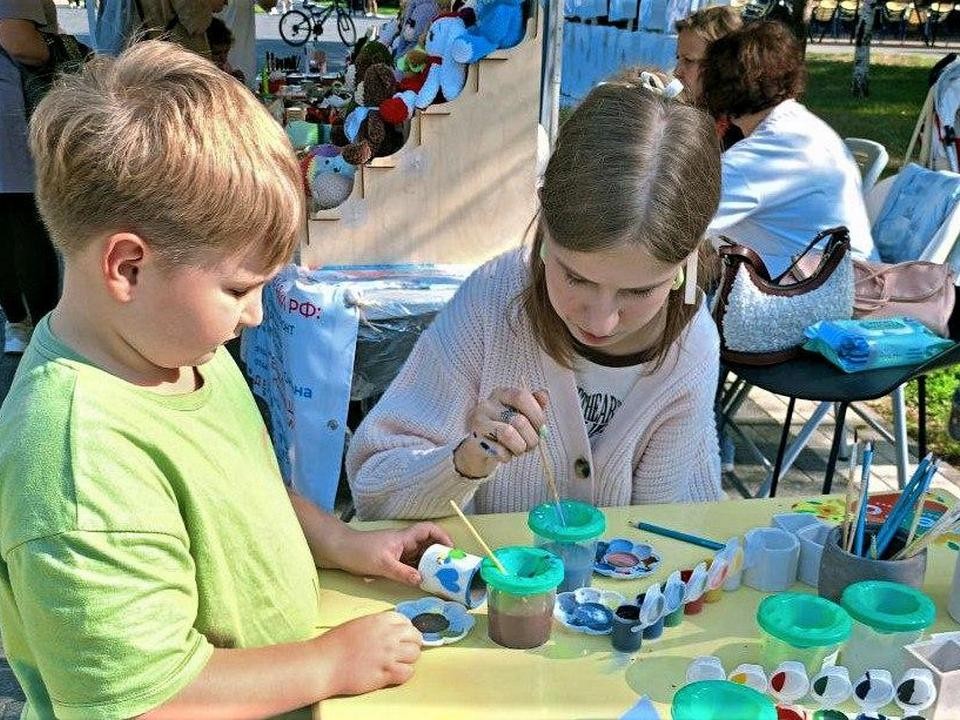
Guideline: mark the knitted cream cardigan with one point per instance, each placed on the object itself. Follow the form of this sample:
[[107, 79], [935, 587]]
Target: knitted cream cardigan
[[660, 447]]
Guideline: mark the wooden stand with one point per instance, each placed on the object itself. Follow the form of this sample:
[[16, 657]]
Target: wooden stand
[[461, 190]]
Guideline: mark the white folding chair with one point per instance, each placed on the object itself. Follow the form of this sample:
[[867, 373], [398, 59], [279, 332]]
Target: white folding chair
[[871, 157]]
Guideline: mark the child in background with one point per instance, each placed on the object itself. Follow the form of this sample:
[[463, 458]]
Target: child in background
[[221, 41], [588, 333], [153, 564]]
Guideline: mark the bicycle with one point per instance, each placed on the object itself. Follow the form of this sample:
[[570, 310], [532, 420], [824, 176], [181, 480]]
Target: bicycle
[[296, 26]]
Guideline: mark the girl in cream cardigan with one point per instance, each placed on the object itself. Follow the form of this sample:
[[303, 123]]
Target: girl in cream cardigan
[[585, 341]]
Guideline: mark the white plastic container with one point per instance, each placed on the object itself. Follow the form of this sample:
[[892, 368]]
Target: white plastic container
[[886, 617]]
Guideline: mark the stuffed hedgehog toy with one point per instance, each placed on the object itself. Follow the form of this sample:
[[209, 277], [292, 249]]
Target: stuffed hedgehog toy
[[327, 177], [498, 24]]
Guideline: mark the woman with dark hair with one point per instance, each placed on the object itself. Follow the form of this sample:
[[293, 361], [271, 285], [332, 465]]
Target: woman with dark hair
[[791, 176], [594, 341]]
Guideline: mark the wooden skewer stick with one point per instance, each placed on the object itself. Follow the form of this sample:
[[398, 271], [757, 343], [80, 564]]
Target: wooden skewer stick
[[476, 536], [850, 498], [547, 466]]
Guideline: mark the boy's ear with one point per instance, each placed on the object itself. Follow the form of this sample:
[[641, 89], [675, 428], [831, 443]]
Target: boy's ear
[[122, 263]]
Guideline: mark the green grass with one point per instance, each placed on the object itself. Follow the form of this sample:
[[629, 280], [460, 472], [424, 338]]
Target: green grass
[[898, 86]]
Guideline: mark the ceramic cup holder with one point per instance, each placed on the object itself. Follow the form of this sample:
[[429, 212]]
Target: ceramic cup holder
[[941, 657]]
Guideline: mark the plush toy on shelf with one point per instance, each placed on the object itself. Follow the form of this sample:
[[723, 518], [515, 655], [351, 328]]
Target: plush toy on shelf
[[416, 18], [498, 25], [368, 133], [445, 75], [328, 178]]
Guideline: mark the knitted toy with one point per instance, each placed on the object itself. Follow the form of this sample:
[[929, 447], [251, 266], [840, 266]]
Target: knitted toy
[[370, 53], [414, 22], [445, 75], [368, 133], [327, 177], [499, 24]]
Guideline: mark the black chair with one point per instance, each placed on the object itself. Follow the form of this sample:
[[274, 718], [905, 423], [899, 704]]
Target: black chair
[[811, 377]]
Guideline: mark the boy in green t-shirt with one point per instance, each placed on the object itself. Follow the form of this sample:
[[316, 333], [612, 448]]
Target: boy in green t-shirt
[[153, 564]]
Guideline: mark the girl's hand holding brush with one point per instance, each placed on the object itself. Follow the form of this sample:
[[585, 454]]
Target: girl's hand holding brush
[[504, 426]]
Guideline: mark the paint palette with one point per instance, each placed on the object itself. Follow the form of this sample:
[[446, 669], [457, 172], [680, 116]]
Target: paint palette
[[587, 610], [439, 621], [624, 559]]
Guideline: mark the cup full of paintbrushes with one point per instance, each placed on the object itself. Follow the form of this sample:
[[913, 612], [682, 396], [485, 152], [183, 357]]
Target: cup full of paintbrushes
[[840, 567], [570, 530]]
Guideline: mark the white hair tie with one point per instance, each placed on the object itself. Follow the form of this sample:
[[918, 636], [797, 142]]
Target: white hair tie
[[654, 83]]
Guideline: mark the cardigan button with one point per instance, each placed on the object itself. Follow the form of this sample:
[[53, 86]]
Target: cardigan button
[[582, 468]]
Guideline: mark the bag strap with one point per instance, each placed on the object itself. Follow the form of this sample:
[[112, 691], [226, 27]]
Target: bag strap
[[836, 235]]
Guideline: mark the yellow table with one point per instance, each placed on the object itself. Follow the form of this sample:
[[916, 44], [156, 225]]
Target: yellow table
[[576, 675]]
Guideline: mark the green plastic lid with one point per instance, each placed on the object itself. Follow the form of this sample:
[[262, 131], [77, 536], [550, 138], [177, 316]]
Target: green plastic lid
[[580, 521], [888, 606], [804, 621], [721, 700], [530, 571]]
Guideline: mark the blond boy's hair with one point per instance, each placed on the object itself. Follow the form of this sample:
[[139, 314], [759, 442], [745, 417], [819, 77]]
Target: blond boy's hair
[[161, 143], [711, 24]]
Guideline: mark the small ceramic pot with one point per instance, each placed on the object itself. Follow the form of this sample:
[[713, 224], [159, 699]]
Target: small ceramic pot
[[812, 539], [839, 569]]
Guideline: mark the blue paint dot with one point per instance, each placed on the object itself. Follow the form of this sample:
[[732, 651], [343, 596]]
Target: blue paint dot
[[448, 577]]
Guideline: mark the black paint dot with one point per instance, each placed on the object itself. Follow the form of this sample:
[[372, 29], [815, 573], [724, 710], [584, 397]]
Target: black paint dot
[[429, 622]]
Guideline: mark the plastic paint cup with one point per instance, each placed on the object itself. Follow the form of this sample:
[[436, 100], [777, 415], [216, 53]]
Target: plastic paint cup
[[886, 617], [627, 629], [705, 667], [831, 687], [573, 538], [801, 627], [520, 603], [720, 700], [694, 607]]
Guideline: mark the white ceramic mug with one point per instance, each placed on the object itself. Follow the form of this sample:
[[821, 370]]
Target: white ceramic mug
[[770, 559], [452, 574]]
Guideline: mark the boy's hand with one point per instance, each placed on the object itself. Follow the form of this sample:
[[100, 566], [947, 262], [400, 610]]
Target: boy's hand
[[370, 653], [393, 554]]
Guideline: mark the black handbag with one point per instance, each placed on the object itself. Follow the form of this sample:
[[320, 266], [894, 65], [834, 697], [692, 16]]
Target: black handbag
[[67, 55]]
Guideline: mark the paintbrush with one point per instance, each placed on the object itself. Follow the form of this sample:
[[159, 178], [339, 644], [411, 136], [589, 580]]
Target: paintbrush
[[918, 509], [476, 536], [547, 466], [946, 523]]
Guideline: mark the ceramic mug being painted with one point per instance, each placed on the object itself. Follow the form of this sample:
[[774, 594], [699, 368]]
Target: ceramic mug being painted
[[453, 574]]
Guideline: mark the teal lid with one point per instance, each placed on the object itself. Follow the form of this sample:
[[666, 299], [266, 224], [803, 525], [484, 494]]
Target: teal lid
[[530, 571], [580, 521], [721, 700], [888, 606], [804, 621]]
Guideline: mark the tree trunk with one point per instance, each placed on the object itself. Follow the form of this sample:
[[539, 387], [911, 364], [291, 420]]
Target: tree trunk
[[860, 86]]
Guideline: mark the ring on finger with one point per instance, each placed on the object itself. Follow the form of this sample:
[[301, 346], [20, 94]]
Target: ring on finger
[[507, 415]]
